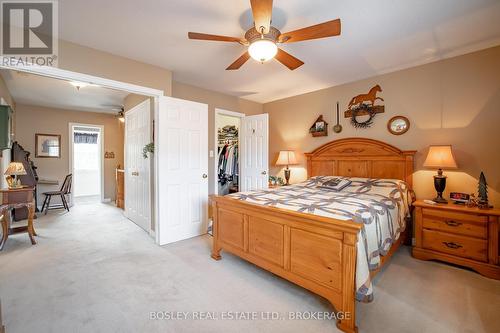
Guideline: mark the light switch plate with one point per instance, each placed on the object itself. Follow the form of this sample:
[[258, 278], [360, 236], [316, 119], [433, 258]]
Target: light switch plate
[[211, 153]]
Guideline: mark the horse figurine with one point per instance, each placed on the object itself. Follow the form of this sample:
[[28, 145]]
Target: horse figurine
[[370, 97]]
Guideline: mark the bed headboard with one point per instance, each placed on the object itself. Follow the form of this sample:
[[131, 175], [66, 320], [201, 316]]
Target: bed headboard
[[361, 157]]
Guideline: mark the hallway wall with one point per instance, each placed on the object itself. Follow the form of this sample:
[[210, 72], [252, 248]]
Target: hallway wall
[[36, 119]]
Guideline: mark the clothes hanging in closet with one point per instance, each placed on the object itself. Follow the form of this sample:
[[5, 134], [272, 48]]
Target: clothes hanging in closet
[[228, 161]]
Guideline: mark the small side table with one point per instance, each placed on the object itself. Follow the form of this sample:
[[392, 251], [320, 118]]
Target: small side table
[[459, 235], [16, 198]]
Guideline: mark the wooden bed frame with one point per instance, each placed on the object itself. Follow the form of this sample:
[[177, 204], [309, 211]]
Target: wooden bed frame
[[314, 252]]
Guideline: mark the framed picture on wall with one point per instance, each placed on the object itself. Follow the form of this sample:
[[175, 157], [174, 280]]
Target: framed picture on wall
[[48, 145]]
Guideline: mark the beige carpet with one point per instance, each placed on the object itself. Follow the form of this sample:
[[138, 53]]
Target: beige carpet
[[95, 271]]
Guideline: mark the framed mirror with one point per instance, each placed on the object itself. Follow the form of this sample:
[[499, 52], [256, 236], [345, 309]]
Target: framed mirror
[[398, 125]]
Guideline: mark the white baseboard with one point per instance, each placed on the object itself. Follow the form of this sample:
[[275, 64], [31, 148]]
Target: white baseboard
[[106, 200]]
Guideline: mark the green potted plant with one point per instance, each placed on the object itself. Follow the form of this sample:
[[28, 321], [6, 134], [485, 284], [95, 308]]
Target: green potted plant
[[149, 148]]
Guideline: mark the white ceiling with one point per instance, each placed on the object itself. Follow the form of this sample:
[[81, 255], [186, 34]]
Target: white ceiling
[[38, 90], [377, 37]]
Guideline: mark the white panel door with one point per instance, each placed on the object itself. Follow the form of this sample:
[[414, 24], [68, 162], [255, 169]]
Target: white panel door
[[137, 168], [182, 162], [254, 152]]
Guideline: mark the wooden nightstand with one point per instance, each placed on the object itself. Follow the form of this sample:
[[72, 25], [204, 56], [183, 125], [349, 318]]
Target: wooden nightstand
[[459, 235]]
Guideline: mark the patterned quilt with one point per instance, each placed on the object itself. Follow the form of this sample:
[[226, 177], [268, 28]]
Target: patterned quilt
[[381, 205]]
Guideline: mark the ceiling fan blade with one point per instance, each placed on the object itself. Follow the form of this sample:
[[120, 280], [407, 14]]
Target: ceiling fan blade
[[197, 35], [262, 11], [288, 60], [239, 62], [322, 30]]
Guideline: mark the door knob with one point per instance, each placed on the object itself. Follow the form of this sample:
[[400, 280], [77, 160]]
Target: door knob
[[264, 173], [204, 175]]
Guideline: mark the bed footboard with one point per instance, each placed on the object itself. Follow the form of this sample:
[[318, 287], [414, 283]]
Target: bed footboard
[[314, 252]]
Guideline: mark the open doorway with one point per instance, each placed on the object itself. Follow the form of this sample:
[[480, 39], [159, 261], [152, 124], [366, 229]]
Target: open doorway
[[86, 163], [241, 158], [173, 119], [84, 125]]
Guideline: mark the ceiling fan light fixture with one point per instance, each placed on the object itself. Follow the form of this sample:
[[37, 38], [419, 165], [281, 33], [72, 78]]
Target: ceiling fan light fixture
[[262, 38], [263, 50], [121, 116]]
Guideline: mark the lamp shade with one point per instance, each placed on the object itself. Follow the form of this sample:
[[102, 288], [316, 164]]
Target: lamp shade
[[440, 157], [286, 157], [15, 169]]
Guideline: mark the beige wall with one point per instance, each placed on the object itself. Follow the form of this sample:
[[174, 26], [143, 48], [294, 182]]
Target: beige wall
[[35, 119], [454, 101], [90, 61], [133, 100], [214, 100]]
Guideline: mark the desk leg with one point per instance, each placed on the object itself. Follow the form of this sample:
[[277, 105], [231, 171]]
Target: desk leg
[[33, 223], [5, 230], [31, 230]]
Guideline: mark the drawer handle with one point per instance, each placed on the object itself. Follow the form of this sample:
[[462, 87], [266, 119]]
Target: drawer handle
[[452, 245], [453, 223]]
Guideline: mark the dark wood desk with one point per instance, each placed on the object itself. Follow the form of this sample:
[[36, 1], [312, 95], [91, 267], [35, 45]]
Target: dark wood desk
[[16, 198]]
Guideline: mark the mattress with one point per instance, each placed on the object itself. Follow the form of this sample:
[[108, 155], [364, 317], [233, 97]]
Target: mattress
[[381, 205]]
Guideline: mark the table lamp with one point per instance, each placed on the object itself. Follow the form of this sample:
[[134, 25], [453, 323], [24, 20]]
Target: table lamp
[[287, 157], [15, 169], [440, 157]]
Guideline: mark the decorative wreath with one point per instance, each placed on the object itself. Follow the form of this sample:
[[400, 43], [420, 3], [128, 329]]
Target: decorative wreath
[[356, 113]]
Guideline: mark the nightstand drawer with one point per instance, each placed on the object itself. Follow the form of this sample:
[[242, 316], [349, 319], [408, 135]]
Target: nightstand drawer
[[462, 224], [465, 247]]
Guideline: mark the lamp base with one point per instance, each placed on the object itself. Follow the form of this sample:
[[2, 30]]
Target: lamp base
[[440, 185], [287, 176], [14, 182], [440, 200]]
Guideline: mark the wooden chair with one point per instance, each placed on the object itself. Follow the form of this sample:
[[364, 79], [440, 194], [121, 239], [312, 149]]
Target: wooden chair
[[65, 190]]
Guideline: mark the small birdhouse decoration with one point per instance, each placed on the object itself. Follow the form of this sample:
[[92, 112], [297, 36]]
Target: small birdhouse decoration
[[319, 128]]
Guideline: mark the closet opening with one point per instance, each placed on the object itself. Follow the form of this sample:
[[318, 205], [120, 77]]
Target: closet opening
[[227, 125]]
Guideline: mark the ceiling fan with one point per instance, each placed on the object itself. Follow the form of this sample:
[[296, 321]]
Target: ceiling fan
[[263, 39], [120, 109]]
